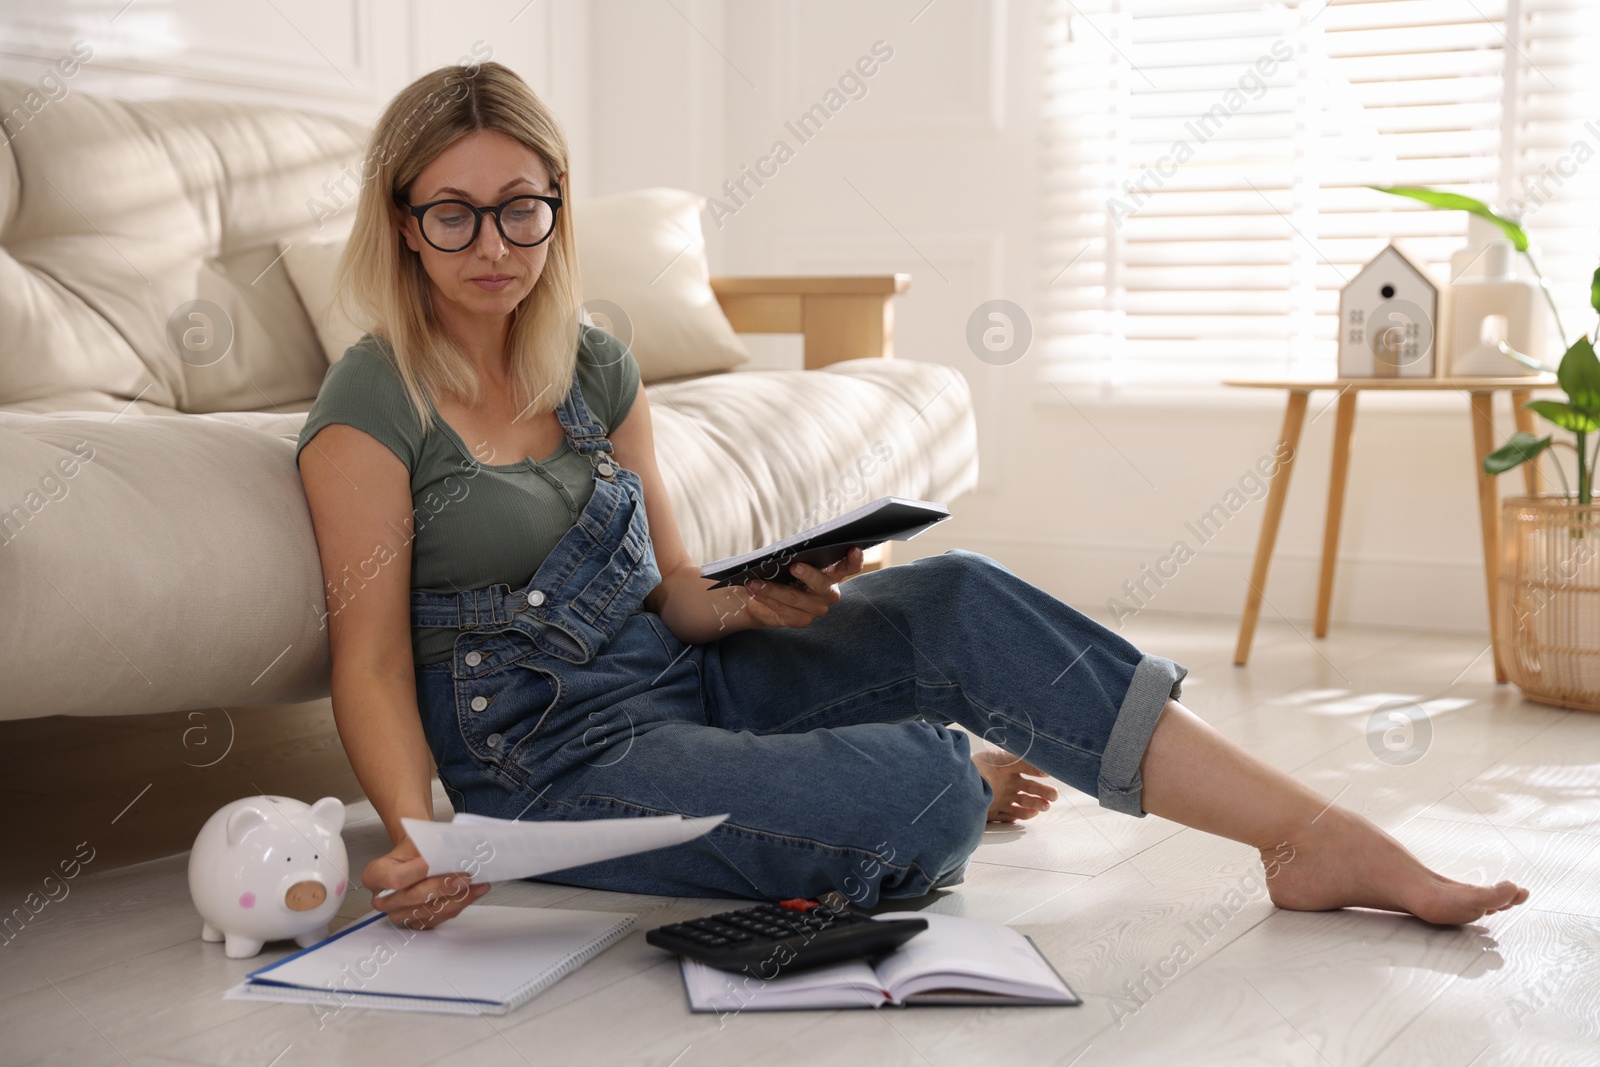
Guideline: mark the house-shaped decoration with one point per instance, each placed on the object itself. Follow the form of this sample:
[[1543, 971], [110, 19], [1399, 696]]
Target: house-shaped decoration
[[1386, 320]]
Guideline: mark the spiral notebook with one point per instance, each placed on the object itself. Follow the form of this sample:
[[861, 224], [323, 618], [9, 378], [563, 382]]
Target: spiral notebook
[[487, 960]]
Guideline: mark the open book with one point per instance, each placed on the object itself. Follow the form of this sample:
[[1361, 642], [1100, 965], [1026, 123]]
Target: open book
[[956, 960], [888, 518]]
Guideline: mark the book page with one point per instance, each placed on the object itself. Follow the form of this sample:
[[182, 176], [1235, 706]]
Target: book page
[[839, 985], [955, 952]]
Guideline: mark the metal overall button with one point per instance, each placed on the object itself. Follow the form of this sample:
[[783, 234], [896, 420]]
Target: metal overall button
[[501, 726], [535, 598], [474, 658]]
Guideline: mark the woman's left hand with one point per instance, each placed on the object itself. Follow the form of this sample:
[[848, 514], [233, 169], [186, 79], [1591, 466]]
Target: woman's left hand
[[777, 604]]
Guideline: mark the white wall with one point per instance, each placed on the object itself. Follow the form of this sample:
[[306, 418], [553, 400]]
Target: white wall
[[931, 172], [343, 56]]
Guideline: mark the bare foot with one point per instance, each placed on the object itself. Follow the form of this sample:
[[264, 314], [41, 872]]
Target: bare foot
[[1015, 796], [1344, 860]]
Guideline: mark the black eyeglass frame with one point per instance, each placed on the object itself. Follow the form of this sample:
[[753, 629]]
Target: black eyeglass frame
[[420, 210]]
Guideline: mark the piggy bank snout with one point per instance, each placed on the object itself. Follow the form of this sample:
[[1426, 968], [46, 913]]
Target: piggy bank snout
[[305, 896]]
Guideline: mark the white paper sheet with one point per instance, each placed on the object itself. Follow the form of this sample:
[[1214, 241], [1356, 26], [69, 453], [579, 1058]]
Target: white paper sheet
[[497, 850]]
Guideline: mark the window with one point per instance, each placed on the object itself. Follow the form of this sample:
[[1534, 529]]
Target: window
[[1206, 162]]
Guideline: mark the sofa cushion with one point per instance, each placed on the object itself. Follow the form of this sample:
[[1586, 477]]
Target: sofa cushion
[[115, 215], [92, 400], [213, 595], [312, 265], [209, 592], [643, 261]]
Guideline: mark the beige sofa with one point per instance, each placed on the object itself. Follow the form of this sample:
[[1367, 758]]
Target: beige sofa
[[155, 549]]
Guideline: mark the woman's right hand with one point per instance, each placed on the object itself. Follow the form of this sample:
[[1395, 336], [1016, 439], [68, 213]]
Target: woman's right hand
[[418, 902]]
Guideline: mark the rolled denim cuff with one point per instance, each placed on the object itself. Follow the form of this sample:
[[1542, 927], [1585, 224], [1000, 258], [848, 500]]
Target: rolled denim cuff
[[1156, 680]]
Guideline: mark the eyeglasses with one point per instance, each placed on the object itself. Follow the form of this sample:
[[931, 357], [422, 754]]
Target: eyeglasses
[[452, 225]]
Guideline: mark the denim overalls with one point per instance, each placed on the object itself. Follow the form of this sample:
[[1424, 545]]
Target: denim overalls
[[827, 746]]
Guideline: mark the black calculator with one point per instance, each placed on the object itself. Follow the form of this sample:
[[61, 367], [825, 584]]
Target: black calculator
[[785, 936]]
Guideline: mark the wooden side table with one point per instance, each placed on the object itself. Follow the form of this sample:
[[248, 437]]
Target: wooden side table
[[1481, 390]]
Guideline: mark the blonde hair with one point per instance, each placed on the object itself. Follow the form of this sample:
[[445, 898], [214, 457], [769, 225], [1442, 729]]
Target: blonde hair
[[381, 283]]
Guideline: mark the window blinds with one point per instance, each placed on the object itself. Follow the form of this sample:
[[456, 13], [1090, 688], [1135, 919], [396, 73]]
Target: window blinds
[[1206, 162]]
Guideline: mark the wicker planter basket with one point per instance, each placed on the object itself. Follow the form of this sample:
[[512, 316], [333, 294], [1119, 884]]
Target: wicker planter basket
[[1548, 616]]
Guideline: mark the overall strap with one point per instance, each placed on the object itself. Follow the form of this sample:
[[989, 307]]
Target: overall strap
[[469, 609], [500, 605], [586, 434], [587, 437]]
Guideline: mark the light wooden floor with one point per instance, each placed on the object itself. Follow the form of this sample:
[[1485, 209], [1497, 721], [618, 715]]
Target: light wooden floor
[[115, 973]]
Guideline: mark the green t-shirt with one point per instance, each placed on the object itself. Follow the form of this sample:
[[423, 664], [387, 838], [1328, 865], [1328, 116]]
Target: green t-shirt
[[476, 524]]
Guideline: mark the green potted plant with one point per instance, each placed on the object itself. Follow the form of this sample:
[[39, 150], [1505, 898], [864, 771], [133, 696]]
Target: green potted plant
[[1548, 613]]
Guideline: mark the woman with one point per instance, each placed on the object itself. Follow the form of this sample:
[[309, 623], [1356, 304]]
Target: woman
[[539, 630]]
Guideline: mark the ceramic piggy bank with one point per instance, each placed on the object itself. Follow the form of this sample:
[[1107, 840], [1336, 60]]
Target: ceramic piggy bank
[[266, 868]]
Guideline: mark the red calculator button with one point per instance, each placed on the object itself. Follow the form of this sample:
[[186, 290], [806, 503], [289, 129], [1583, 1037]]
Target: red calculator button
[[798, 904]]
